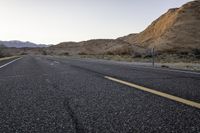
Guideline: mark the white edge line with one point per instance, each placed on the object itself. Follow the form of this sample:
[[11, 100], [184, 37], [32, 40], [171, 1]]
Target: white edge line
[[175, 70], [167, 69], [10, 62], [165, 95]]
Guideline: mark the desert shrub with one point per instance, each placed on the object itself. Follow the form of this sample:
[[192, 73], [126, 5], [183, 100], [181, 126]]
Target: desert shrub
[[184, 53], [196, 53], [137, 55], [109, 53], [121, 51], [1, 54], [1, 50], [64, 54], [4, 53], [164, 66], [23, 53], [147, 56], [44, 52], [170, 51], [82, 53]]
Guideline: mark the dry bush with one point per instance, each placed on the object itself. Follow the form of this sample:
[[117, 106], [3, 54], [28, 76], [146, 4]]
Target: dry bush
[[1, 54], [44, 52], [1, 50], [82, 53], [126, 50], [64, 54], [196, 53]]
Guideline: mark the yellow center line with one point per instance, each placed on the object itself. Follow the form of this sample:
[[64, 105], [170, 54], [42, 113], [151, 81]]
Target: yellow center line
[[165, 95], [7, 58]]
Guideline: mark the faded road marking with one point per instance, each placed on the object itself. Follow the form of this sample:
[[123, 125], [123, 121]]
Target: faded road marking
[[56, 62], [165, 95]]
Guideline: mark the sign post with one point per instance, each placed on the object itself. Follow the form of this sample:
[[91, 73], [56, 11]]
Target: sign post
[[153, 56]]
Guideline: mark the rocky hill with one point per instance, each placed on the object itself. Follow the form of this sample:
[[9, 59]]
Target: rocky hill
[[176, 30]]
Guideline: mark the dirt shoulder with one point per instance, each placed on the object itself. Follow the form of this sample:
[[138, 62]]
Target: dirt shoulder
[[170, 61]]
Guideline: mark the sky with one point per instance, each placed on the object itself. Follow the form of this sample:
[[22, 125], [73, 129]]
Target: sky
[[54, 21]]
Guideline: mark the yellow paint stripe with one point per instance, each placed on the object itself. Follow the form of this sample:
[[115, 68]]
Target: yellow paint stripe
[[165, 95], [7, 58]]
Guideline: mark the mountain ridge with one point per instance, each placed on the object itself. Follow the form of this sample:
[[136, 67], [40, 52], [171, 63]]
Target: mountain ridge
[[21, 44], [177, 30]]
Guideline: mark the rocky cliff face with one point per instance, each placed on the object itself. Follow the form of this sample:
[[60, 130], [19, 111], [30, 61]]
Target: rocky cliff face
[[178, 29]]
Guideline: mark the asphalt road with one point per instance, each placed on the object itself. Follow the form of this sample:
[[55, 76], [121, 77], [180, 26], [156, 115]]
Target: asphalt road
[[52, 94]]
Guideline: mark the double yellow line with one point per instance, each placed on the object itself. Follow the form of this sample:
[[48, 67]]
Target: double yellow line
[[165, 95]]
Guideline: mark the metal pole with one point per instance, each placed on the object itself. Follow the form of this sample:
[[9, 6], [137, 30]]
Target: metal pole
[[153, 57]]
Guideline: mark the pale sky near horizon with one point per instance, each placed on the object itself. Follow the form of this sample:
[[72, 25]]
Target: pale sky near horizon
[[54, 21]]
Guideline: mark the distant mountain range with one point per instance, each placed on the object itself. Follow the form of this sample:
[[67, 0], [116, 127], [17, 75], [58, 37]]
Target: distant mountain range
[[20, 44]]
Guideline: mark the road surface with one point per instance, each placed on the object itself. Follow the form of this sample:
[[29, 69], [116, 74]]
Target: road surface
[[53, 94]]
